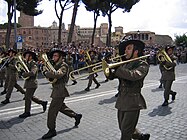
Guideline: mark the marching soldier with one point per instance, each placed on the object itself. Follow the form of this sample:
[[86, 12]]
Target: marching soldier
[[130, 100], [168, 75], [31, 83], [59, 93], [69, 61], [3, 71], [91, 76], [11, 76]]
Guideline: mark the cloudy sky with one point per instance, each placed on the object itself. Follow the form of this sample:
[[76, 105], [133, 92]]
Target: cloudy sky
[[166, 17]]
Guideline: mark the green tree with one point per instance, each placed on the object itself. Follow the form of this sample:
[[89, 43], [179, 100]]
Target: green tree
[[181, 40], [26, 6], [111, 6]]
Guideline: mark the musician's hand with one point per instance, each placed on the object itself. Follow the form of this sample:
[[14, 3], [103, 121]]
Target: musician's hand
[[21, 72]]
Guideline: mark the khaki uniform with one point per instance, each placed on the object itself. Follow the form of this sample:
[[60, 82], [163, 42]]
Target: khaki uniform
[[11, 77], [31, 85], [69, 61], [130, 100], [91, 76], [58, 94], [168, 76]]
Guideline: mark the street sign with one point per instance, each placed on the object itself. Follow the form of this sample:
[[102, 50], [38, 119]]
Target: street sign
[[19, 42], [19, 39]]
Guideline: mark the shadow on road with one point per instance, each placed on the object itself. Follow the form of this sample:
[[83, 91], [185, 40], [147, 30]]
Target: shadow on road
[[160, 111], [157, 89], [9, 123], [108, 101]]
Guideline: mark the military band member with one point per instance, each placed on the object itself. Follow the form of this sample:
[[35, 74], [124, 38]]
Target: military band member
[[91, 76], [59, 93], [11, 76], [69, 61], [31, 83], [3, 71], [168, 75], [130, 100]]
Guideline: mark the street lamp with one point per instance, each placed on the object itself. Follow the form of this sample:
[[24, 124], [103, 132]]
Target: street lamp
[[138, 35]]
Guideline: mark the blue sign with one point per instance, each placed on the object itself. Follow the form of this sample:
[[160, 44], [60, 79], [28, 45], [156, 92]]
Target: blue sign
[[19, 39]]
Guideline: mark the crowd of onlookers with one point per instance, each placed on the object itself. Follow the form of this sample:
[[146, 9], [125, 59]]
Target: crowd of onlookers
[[79, 53]]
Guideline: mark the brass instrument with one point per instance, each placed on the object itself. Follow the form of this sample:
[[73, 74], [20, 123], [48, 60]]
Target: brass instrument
[[3, 58], [48, 66], [106, 67], [97, 67], [21, 66], [5, 63], [163, 56], [116, 59]]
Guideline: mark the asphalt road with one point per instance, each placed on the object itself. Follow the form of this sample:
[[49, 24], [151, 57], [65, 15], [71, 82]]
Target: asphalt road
[[99, 120]]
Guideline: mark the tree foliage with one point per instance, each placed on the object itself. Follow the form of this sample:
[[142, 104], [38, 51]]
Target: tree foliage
[[181, 40]]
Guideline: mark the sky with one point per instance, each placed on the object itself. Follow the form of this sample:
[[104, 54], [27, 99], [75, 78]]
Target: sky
[[164, 17]]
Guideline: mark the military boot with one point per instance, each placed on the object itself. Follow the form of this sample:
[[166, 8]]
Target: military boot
[[6, 101], [78, 119], [44, 105], [144, 137], [49, 134]]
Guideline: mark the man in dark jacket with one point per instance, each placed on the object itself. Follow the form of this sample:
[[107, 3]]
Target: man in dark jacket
[[130, 100], [31, 83], [58, 94]]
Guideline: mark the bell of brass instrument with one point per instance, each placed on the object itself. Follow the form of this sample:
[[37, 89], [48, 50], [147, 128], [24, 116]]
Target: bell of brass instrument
[[163, 56], [21, 66], [106, 67], [48, 66]]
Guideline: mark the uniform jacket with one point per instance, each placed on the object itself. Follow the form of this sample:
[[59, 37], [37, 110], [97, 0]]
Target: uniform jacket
[[59, 89], [31, 82], [11, 69], [170, 73], [131, 77]]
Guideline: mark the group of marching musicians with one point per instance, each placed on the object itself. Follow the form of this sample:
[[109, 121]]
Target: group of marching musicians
[[131, 76]]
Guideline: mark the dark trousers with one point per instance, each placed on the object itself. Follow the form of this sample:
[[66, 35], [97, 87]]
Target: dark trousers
[[57, 104], [28, 97], [11, 86], [127, 121], [167, 88], [92, 78]]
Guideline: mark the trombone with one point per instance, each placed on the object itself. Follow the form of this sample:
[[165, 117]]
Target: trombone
[[106, 67], [116, 59], [95, 68]]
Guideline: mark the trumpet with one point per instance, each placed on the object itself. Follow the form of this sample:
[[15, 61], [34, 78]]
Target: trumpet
[[21, 66], [163, 56], [106, 67], [48, 66]]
